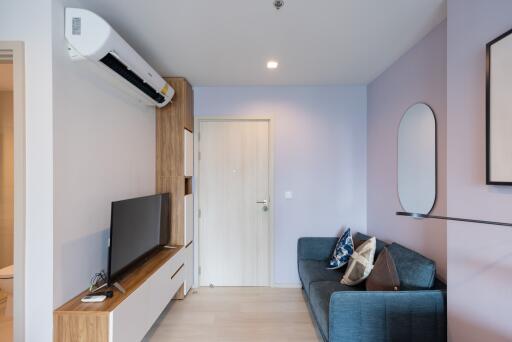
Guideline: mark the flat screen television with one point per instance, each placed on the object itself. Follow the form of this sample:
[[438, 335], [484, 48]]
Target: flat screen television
[[138, 227]]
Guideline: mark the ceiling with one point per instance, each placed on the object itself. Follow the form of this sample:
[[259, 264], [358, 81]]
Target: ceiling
[[228, 42], [5, 76]]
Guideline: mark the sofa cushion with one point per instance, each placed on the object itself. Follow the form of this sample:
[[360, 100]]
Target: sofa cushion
[[315, 248], [311, 271], [415, 271], [359, 238], [319, 298]]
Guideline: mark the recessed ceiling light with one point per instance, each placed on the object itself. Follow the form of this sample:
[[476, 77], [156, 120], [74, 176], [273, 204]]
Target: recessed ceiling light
[[278, 4], [272, 64]]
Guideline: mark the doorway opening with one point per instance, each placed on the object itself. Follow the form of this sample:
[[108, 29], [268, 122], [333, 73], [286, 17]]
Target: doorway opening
[[12, 191]]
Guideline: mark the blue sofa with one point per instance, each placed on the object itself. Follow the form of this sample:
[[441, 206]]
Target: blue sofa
[[343, 313]]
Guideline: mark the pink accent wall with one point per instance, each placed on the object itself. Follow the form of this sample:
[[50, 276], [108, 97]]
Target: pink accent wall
[[479, 256], [418, 76]]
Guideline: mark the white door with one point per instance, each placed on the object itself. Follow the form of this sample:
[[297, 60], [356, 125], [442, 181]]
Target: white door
[[234, 223]]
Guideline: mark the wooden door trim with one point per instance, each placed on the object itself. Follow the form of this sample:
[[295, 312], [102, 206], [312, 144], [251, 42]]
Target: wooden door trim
[[216, 118]]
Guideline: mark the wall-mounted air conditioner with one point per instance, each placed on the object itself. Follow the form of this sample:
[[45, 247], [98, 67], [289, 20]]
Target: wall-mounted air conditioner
[[92, 37]]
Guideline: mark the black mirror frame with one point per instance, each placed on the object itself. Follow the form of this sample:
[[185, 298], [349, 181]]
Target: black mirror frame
[[436, 153], [488, 46]]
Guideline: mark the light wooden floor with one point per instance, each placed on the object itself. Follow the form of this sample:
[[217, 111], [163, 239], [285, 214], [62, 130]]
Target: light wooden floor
[[236, 314]]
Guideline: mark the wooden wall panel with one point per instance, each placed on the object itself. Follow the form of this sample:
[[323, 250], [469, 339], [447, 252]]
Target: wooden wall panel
[[170, 123], [174, 186]]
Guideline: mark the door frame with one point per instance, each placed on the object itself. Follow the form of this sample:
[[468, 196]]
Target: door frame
[[18, 60], [197, 178]]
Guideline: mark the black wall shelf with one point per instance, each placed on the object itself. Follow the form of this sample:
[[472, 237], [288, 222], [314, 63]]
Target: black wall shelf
[[436, 217]]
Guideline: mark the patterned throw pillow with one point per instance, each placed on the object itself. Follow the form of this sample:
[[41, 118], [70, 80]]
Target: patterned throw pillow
[[361, 263], [342, 252]]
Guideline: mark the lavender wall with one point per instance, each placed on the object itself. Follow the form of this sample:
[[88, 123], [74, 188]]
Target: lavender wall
[[479, 257], [418, 76], [319, 154]]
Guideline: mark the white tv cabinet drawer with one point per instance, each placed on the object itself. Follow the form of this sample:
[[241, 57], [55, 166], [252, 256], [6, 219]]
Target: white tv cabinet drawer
[[133, 318], [176, 261], [189, 267]]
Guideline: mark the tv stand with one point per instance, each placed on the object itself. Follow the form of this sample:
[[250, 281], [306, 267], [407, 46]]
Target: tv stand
[[119, 287], [129, 314]]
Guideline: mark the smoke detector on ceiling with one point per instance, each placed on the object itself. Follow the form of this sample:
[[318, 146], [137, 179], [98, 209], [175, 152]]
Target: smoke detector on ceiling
[[278, 4]]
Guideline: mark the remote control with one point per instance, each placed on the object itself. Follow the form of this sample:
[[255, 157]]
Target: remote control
[[93, 299]]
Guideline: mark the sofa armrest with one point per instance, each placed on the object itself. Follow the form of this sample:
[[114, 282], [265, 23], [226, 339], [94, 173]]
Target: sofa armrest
[[387, 316], [315, 248]]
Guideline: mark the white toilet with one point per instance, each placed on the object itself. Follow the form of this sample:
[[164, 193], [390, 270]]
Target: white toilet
[[6, 285]]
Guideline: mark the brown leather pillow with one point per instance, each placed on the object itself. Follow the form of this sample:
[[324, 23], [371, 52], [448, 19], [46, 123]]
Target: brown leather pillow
[[384, 276]]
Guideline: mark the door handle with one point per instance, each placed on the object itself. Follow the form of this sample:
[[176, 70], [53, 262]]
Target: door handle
[[265, 204]]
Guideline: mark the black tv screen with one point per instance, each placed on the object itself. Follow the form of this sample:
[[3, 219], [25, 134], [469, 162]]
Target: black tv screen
[[137, 227]]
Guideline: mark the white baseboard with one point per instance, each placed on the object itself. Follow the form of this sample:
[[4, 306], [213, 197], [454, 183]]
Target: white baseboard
[[288, 286]]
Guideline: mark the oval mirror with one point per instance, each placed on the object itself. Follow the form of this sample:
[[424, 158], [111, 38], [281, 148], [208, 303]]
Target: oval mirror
[[417, 159]]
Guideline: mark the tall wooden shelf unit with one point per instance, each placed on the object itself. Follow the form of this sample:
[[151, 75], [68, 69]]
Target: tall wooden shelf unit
[[174, 123]]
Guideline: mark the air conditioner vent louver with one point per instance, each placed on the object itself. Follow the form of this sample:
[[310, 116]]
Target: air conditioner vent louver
[[77, 26], [121, 69]]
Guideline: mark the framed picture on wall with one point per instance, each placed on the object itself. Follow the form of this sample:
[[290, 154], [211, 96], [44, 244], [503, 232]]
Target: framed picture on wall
[[499, 110]]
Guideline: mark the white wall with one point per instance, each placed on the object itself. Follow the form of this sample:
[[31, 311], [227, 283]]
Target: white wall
[[30, 22], [104, 150], [319, 154]]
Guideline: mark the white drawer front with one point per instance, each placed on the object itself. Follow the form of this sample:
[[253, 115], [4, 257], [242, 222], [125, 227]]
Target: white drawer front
[[160, 285], [130, 320], [188, 160], [175, 262], [177, 281], [189, 218], [189, 267]]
